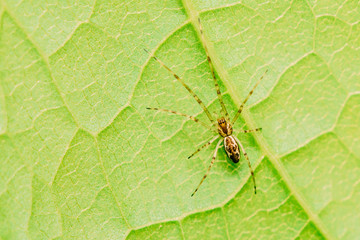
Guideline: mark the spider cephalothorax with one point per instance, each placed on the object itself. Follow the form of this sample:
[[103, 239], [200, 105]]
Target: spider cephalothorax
[[224, 127]]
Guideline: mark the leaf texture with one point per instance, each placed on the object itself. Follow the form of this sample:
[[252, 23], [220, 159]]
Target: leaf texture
[[82, 158]]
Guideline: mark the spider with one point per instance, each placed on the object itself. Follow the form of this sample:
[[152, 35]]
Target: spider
[[223, 127]]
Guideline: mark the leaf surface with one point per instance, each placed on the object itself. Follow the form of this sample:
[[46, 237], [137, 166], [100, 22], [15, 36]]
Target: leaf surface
[[82, 158]]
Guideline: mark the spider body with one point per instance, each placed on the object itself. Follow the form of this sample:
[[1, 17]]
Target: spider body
[[230, 144], [223, 127], [232, 148]]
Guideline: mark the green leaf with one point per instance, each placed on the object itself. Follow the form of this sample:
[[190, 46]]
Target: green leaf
[[82, 158]]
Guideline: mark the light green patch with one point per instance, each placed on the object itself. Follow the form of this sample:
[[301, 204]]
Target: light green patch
[[237, 37], [345, 62], [93, 212], [10, 160], [203, 4], [45, 220], [162, 231], [49, 24], [133, 23], [270, 10], [326, 174], [322, 175], [45, 144], [287, 116], [331, 36], [15, 205], [340, 217], [347, 127], [349, 11], [291, 37], [325, 7], [3, 117], [91, 83], [25, 78], [82, 158], [206, 225]]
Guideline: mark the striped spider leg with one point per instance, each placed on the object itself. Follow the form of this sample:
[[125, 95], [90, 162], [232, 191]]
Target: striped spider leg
[[223, 126]]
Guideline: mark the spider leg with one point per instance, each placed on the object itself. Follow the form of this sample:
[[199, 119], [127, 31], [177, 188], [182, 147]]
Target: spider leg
[[213, 74], [247, 98], [204, 146], [187, 88], [207, 172], [251, 130], [248, 161], [182, 114]]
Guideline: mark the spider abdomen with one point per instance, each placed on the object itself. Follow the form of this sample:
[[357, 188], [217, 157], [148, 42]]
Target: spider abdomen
[[232, 148]]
